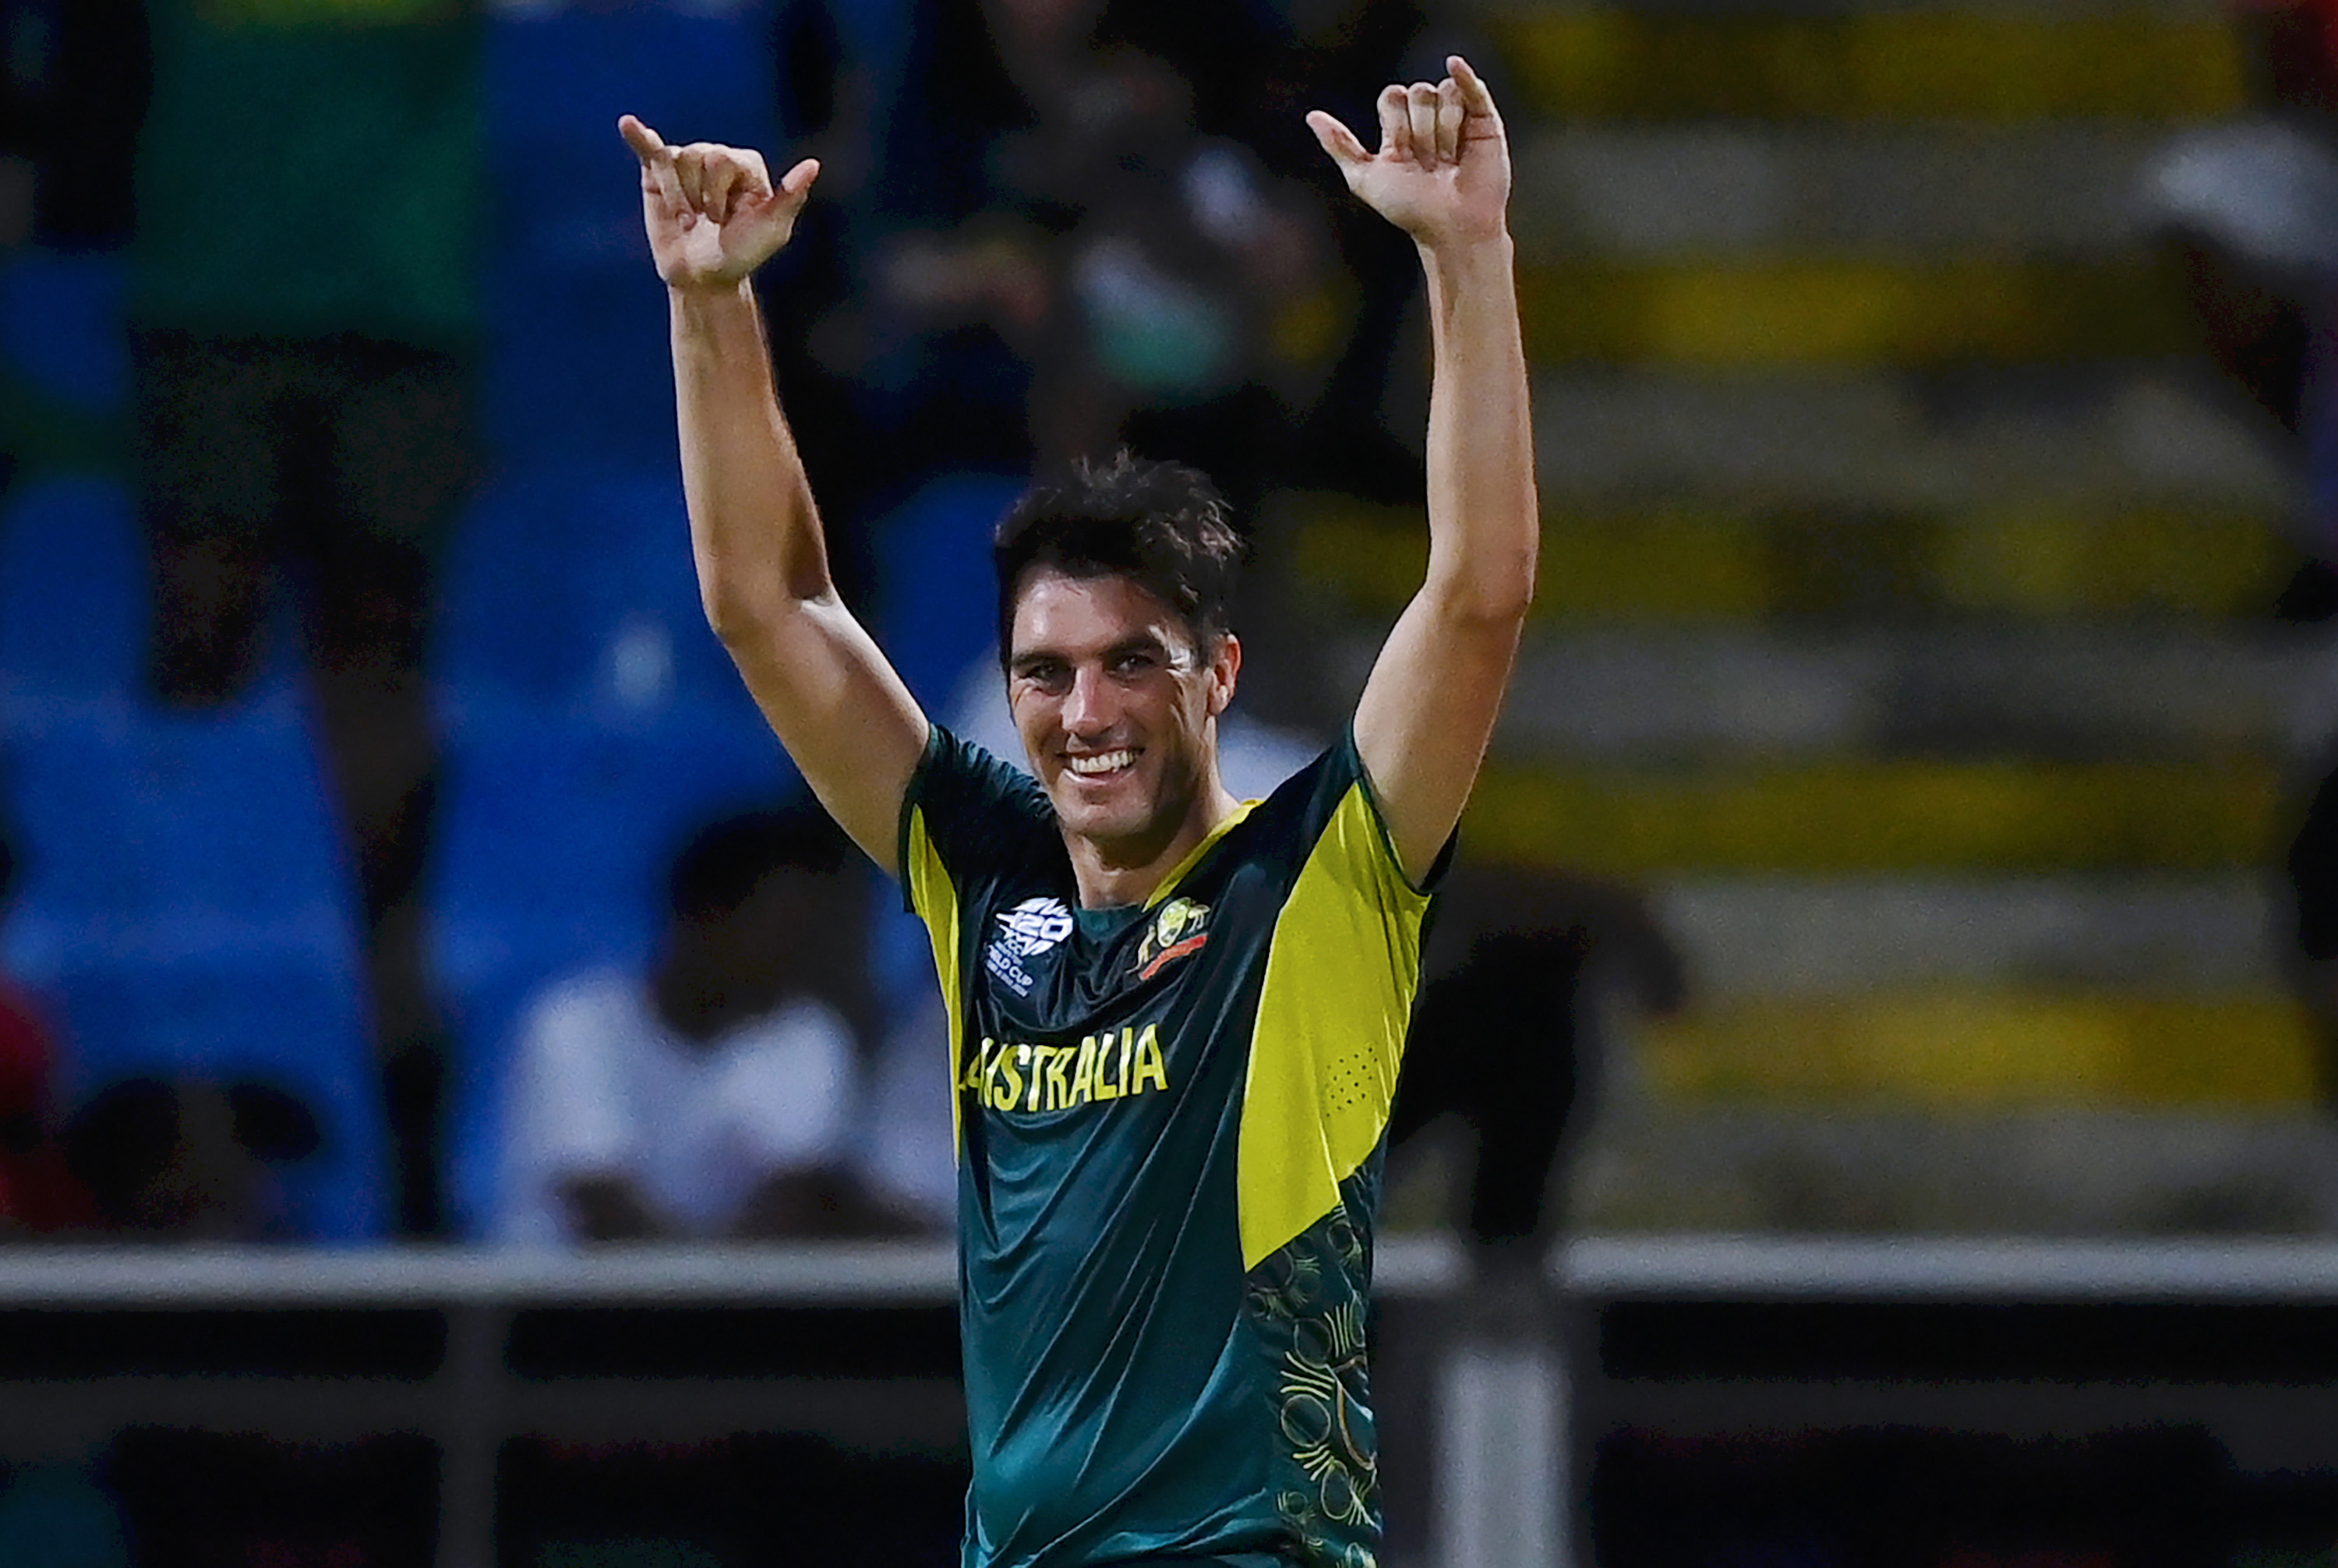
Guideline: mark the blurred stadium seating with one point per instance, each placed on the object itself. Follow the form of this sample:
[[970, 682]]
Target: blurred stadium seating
[[61, 325], [73, 607], [187, 902], [1899, 589], [937, 613], [578, 368], [552, 855], [1904, 619], [570, 587]]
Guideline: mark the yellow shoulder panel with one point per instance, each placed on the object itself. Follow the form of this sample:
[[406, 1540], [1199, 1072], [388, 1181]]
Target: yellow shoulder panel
[[935, 899], [1341, 973]]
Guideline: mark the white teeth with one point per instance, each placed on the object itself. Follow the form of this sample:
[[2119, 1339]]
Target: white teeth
[[1102, 761]]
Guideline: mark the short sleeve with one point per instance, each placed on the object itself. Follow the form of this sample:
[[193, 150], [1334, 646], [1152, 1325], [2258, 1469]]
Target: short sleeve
[[1328, 814], [1391, 865], [967, 817], [1342, 968]]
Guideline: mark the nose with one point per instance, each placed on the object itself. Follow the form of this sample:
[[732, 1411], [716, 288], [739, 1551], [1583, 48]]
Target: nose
[[1089, 707]]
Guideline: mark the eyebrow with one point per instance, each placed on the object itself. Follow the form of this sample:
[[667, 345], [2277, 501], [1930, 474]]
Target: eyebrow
[[1031, 658], [1142, 643]]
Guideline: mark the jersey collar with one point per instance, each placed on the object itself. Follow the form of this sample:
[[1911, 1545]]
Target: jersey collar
[[1177, 872]]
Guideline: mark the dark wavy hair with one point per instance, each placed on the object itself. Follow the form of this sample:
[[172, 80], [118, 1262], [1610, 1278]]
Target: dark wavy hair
[[1162, 525]]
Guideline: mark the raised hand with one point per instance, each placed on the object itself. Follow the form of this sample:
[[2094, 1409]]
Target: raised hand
[[1442, 173], [713, 213]]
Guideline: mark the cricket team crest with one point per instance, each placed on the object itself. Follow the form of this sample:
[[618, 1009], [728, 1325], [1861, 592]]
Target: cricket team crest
[[1181, 927]]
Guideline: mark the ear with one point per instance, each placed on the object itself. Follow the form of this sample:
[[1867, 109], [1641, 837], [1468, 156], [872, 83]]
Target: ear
[[1225, 666]]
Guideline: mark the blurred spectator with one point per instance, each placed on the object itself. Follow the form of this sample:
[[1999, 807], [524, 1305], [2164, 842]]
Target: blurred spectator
[[1075, 264], [38, 1193], [189, 1161], [1507, 1033], [939, 343], [828, 102], [72, 76], [1256, 69], [715, 1095], [909, 1155], [303, 302], [2244, 214]]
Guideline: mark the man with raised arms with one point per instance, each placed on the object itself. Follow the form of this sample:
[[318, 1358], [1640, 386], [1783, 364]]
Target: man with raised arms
[[1176, 1017]]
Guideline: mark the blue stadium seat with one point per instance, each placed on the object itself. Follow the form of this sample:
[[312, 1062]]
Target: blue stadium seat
[[557, 78], [137, 816], [578, 367], [576, 590], [555, 833], [187, 899], [937, 613], [578, 364], [75, 602], [876, 35], [61, 325], [288, 1018], [74, 597]]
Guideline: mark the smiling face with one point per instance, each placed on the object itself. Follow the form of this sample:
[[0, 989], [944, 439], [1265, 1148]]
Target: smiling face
[[1117, 706]]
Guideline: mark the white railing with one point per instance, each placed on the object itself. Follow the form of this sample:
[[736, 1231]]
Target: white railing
[[473, 1402], [898, 1273], [651, 1275]]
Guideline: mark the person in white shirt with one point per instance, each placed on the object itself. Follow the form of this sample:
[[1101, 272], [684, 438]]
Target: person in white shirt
[[713, 1096]]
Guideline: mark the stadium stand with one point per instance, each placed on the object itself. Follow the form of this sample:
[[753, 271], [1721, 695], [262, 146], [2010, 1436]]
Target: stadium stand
[[73, 593], [578, 367], [1906, 609], [570, 588], [187, 904], [557, 830], [61, 325]]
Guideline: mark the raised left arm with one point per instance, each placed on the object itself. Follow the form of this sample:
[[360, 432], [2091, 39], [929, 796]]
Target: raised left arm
[[1442, 175]]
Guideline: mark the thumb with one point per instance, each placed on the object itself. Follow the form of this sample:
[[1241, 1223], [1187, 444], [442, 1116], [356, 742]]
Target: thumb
[[790, 191], [1336, 138], [796, 183]]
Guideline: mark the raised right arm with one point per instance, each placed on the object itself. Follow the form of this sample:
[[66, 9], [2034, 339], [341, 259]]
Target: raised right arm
[[843, 714]]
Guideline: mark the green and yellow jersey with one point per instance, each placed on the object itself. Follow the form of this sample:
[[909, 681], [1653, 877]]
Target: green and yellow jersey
[[1169, 1120]]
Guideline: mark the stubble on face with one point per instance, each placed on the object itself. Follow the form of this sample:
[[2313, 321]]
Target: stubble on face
[[1111, 697]]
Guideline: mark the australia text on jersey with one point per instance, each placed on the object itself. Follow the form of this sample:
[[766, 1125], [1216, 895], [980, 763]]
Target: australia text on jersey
[[1009, 1075]]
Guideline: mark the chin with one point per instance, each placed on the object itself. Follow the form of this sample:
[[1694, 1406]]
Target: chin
[[1106, 823], [1110, 821]]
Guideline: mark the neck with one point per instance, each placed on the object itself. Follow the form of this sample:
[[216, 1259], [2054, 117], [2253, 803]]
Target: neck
[[1113, 873]]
